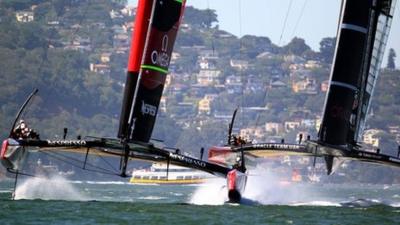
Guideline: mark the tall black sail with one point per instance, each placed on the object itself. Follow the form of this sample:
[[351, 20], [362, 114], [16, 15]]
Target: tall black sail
[[139, 34], [164, 25], [361, 42]]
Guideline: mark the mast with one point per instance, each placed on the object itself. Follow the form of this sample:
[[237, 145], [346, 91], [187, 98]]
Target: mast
[[361, 41], [163, 29], [139, 34]]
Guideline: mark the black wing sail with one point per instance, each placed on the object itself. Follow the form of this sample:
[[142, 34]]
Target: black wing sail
[[361, 41], [163, 29], [139, 35]]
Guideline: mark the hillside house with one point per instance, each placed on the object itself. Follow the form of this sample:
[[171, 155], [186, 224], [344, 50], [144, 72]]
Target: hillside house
[[370, 137], [105, 57], [307, 86], [325, 85], [24, 16], [204, 105], [239, 64], [312, 64], [128, 10], [174, 57], [100, 68], [203, 63], [233, 84], [251, 133], [208, 77], [308, 123], [294, 59], [115, 14], [265, 55], [273, 128], [208, 54], [395, 130], [292, 125], [120, 40]]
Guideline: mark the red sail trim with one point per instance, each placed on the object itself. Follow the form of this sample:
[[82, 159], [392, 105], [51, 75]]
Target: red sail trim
[[163, 28], [139, 34]]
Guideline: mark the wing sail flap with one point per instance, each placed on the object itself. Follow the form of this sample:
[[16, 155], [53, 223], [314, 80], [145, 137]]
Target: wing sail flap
[[362, 37]]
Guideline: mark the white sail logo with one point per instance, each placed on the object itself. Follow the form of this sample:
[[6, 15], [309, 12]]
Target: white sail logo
[[148, 109], [161, 58]]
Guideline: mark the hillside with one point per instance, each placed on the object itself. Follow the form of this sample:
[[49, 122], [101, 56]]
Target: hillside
[[76, 54]]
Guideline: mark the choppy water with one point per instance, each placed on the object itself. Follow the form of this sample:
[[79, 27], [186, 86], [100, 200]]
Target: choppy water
[[59, 201]]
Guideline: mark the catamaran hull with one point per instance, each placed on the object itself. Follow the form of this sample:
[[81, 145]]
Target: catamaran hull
[[236, 183], [12, 155]]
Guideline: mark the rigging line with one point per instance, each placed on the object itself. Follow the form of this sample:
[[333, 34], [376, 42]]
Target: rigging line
[[106, 161], [398, 9], [212, 30], [20, 173], [285, 21], [265, 105], [241, 57], [300, 17], [61, 156]]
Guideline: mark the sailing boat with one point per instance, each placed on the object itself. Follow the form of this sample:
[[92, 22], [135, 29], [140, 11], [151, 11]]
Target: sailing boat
[[362, 37], [153, 39], [362, 34]]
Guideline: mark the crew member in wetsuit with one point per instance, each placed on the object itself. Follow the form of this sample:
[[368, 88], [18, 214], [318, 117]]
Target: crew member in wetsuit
[[22, 131]]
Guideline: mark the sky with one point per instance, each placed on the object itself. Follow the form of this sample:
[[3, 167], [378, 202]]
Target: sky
[[311, 20]]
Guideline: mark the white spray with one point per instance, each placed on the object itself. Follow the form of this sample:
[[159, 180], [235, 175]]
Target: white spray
[[263, 187], [52, 188], [213, 192]]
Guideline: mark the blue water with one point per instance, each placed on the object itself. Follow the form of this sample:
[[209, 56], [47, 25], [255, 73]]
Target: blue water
[[60, 201]]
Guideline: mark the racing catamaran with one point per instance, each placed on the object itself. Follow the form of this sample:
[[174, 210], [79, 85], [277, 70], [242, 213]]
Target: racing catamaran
[[156, 27], [362, 36]]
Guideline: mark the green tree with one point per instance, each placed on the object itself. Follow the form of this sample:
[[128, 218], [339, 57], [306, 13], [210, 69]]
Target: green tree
[[327, 49], [296, 46], [200, 18]]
